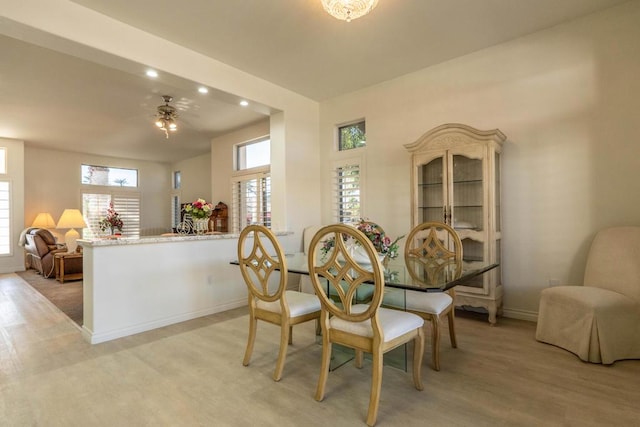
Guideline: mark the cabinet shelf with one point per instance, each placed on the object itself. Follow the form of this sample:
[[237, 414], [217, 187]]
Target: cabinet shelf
[[468, 181]]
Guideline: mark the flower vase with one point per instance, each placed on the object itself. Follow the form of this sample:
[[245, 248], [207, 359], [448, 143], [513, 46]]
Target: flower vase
[[200, 225], [385, 260]]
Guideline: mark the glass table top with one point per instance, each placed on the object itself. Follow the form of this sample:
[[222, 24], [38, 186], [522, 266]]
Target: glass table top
[[415, 276]]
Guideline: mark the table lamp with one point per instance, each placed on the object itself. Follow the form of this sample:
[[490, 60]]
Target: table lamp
[[44, 220], [71, 219]]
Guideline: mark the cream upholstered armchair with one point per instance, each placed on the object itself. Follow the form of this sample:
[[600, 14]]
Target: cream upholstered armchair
[[600, 321]]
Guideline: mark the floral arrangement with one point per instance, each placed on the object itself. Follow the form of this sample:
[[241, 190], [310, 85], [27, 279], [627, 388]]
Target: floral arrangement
[[112, 221], [381, 242], [199, 209]]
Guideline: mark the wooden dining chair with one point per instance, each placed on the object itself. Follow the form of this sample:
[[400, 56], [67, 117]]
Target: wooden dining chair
[[261, 262], [433, 249], [363, 327]]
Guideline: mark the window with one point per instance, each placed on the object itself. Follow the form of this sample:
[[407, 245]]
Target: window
[[94, 209], [352, 136], [251, 187], [3, 160], [253, 154], [175, 210], [5, 218], [113, 177], [251, 202], [177, 180], [346, 185]]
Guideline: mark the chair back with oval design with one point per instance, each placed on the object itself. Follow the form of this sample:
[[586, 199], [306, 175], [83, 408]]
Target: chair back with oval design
[[433, 249], [337, 278], [259, 261]]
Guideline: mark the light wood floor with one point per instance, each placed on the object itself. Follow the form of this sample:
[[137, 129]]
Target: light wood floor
[[191, 374]]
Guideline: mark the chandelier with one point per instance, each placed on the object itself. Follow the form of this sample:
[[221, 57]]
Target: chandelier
[[348, 9], [166, 116]]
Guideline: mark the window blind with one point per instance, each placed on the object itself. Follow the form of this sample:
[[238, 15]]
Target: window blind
[[251, 201], [94, 209], [5, 218], [346, 189]]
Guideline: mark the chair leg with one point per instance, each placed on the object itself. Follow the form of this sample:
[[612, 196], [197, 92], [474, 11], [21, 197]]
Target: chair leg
[[359, 358], [285, 338], [376, 384], [324, 367], [253, 324], [435, 342], [290, 335], [452, 327], [418, 353]]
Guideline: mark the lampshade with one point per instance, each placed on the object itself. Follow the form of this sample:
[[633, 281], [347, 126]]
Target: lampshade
[[44, 220], [347, 10], [71, 218]]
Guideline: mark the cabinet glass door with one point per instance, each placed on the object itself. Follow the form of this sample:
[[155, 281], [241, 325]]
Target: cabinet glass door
[[431, 186], [467, 209]]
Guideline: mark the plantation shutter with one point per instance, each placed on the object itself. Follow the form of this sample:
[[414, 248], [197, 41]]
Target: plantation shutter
[[128, 207], [251, 201], [5, 218], [346, 186], [94, 209]]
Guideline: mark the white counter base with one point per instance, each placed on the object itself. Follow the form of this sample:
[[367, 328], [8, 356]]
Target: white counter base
[[132, 286]]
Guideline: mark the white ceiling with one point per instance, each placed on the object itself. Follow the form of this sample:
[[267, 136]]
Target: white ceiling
[[50, 99]]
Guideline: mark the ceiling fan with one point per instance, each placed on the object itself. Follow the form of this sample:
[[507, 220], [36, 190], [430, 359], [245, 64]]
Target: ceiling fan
[[166, 116]]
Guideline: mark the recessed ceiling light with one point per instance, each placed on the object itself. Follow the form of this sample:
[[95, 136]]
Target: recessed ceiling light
[[203, 89], [244, 103], [152, 73]]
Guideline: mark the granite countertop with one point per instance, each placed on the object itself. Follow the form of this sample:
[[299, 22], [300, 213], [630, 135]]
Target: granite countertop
[[119, 241]]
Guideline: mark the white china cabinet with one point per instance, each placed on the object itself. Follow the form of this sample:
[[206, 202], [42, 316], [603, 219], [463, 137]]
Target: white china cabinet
[[455, 178]]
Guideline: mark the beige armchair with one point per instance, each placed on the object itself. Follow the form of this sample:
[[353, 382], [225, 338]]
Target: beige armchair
[[600, 321]]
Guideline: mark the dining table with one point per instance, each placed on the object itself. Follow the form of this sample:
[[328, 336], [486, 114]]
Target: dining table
[[400, 276], [398, 272]]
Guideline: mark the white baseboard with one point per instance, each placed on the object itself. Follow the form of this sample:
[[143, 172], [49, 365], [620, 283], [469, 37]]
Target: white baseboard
[[96, 338], [531, 316]]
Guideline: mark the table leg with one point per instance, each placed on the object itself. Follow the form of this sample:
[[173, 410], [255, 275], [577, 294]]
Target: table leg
[[61, 269]]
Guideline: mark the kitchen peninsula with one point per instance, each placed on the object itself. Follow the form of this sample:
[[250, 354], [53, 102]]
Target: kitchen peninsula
[[133, 285]]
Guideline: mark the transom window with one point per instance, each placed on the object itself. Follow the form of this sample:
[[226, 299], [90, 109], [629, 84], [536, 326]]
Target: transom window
[[352, 136], [253, 154], [108, 176], [3, 160]]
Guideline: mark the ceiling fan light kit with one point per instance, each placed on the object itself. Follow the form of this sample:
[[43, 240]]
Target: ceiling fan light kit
[[347, 10], [166, 116]]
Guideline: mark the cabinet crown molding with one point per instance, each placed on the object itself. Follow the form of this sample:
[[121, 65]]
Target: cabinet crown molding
[[450, 134]]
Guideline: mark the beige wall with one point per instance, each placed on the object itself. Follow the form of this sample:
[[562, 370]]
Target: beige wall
[[222, 158], [52, 184], [567, 99], [195, 178]]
